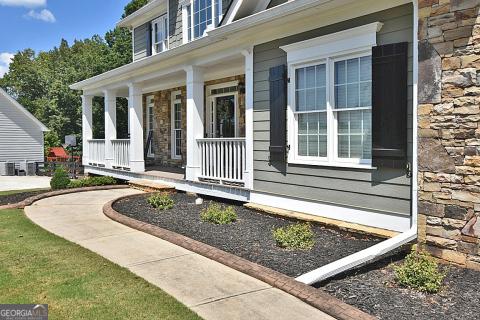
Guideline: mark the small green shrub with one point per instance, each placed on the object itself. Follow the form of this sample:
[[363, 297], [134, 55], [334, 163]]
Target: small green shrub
[[92, 181], [420, 271], [60, 179], [161, 201], [218, 214], [296, 236]]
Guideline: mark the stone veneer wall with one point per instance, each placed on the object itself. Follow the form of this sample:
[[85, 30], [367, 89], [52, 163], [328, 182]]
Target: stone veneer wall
[[162, 137], [448, 130]]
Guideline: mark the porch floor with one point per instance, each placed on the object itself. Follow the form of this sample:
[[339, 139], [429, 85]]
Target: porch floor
[[165, 172]]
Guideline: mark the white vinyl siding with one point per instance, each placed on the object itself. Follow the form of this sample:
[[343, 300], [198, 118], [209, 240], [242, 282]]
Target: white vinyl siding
[[20, 138]]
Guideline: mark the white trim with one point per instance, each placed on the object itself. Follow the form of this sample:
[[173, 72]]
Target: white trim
[[350, 40], [173, 101], [164, 21], [383, 220], [346, 44], [30, 116], [210, 99]]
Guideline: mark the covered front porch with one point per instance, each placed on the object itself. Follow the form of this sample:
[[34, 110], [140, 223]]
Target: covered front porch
[[190, 124]]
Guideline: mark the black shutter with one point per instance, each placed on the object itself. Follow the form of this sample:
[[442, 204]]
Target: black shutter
[[149, 39], [278, 113], [389, 105]]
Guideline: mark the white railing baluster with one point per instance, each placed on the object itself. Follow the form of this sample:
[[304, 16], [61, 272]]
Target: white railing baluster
[[121, 153], [96, 151], [222, 159]]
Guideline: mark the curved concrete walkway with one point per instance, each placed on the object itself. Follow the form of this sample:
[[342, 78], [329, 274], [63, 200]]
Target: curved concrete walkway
[[209, 288]]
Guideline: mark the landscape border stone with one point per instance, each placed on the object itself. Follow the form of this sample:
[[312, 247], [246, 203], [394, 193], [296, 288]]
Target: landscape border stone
[[312, 296]]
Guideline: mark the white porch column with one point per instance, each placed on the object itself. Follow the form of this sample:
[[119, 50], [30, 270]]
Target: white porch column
[[195, 126], [110, 125], [87, 126], [135, 125], [249, 117]]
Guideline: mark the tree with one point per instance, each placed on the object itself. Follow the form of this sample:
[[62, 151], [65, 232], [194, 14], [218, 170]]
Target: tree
[[40, 81], [133, 6]]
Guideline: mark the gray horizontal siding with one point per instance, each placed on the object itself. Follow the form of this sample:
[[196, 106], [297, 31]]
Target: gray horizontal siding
[[378, 190], [175, 30], [20, 138], [140, 42]]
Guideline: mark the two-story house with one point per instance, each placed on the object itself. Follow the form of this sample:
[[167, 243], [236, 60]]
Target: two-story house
[[312, 106]]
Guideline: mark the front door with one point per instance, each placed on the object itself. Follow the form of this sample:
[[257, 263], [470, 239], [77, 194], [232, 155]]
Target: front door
[[224, 120]]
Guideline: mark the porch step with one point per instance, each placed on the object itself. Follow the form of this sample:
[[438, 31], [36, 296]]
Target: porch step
[[149, 185]]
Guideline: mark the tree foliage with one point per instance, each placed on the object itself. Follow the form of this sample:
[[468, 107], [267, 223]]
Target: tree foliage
[[133, 6], [40, 81]]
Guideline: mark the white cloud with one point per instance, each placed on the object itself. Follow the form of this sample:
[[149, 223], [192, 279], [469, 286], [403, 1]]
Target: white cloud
[[23, 3], [44, 15], [5, 60]]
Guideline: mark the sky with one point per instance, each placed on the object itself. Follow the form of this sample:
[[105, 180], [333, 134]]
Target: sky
[[41, 24]]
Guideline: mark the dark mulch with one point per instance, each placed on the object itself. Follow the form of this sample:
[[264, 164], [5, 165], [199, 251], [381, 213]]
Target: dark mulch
[[373, 290], [250, 237], [18, 197]]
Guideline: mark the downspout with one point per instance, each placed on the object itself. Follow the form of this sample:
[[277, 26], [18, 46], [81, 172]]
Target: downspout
[[378, 250]]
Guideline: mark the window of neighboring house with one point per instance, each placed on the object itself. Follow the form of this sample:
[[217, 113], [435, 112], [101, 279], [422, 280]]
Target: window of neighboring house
[[199, 15], [330, 99], [160, 34], [150, 124], [176, 116]]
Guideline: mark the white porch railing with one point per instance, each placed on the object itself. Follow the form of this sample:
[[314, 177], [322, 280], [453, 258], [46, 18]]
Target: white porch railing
[[96, 152], [223, 159], [121, 153]]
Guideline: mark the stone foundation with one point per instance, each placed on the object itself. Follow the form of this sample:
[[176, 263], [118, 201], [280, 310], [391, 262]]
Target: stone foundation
[[448, 130]]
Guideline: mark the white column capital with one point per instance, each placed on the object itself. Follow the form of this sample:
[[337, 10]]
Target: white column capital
[[194, 74], [134, 89], [247, 52]]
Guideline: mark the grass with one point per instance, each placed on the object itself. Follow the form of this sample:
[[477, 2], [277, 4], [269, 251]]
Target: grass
[[39, 267]]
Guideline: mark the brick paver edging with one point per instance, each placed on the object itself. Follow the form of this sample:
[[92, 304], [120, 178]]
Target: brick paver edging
[[29, 201], [314, 297]]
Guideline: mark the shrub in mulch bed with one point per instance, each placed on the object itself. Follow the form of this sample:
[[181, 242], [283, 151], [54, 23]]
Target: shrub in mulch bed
[[218, 214], [250, 237], [93, 182], [161, 201], [296, 236], [373, 289]]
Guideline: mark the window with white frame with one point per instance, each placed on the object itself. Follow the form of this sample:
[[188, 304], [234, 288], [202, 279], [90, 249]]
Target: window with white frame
[[160, 34], [199, 15], [176, 116], [330, 98]]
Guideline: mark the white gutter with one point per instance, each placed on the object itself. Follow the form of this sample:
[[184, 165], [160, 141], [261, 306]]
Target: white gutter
[[386, 246]]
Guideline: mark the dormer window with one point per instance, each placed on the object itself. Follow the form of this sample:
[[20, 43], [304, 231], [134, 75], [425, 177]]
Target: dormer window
[[200, 15], [160, 34]]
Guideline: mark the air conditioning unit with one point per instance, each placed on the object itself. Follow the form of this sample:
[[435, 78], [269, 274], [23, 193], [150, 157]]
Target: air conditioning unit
[[29, 168], [7, 168]]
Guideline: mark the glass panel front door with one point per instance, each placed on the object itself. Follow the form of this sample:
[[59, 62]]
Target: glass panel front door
[[225, 116]]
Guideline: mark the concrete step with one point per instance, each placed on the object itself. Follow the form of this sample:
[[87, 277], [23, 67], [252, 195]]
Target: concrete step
[[149, 185]]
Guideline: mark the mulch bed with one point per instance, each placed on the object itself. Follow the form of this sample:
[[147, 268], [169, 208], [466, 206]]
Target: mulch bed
[[19, 197], [250, 237], [372, 289]]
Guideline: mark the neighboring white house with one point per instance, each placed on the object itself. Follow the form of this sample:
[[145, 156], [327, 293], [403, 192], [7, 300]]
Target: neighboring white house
[[21, 134]]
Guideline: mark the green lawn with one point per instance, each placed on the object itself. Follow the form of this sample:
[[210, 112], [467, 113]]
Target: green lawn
[[39, 267]]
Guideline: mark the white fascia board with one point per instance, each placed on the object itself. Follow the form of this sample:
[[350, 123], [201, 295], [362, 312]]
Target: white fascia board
[[146, 13], [22, 109], [335, 43]]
